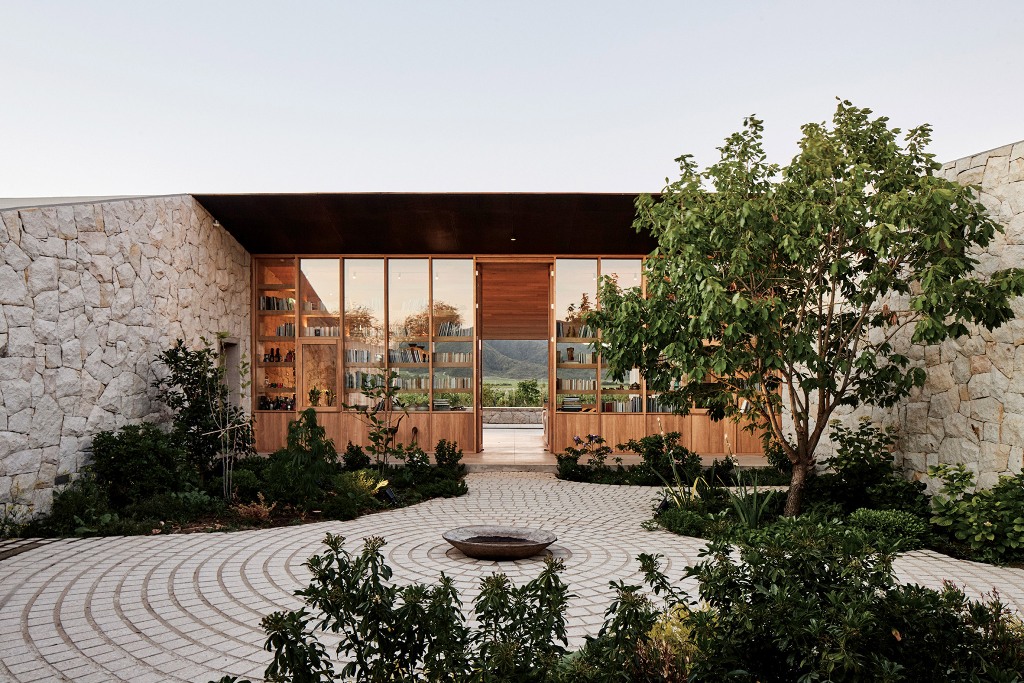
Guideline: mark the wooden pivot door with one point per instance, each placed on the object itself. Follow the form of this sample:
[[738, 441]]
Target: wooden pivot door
[[514, 303]]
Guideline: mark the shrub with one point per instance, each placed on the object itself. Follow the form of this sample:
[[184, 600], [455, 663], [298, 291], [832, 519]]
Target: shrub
[[416, 632], [863, 475], [137, 463], [897, 528], [686, 522], [82, 508], [247, 485], [447, 455], [176, 506], [443, 488], [257, 511], [206, 423], [417, 462], [989, 521], [660, 451], [301, 471], [351, 494], [809, 601], [355, 458]]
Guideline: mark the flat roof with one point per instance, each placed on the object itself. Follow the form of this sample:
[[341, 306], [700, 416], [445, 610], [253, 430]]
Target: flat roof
[[431, 223]]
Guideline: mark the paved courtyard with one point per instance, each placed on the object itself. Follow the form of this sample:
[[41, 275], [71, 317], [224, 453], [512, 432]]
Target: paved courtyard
[[187, 607]]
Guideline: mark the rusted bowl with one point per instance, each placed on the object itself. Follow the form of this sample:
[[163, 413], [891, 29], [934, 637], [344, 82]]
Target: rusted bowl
[[499, 542]]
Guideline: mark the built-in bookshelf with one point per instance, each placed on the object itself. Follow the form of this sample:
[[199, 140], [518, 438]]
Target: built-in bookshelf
[[274, 368]]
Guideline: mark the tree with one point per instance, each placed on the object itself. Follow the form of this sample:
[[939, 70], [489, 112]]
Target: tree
[[206, 423], [780, 291]]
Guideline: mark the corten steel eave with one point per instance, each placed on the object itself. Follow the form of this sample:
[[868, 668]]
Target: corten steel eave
[[572, 224]]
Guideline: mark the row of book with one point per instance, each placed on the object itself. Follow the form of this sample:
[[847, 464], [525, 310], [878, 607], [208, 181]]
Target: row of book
[[575, 384], [449, 329], [450, 382], [328, 331], [317, 306], [363, 356], [357, 379], [413, 382], [276, 303], [453, 357], [564, 329], [633, 405], [578, 357], [408, 355], [285, 330]]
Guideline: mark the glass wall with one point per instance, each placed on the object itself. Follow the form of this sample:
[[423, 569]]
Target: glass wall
[[364, 326], [624, 395], [454, 287], [409, 330], [575, 357]]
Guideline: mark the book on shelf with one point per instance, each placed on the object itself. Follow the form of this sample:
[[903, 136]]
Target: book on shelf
[[564, 329], [412, 354], [571, 404], [285, 330], [450, 329], [442, 404], [321, 331], [575, 384], [276, 303], [363, 356], [443, 381], [581, 357], [633, 405], [453, 357]]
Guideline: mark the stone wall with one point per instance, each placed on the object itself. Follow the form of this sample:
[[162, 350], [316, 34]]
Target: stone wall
[[513, 416], [971, 410], [89, 294]]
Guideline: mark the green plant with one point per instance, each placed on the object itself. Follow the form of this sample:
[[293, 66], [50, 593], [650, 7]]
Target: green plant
[[903, 530], [304, 467], [355, 458], [350, 494], [212, 430], [176, 506], [803, 600], [247, 485], [82, 508], [863, 475], [448, 455], [788, 285], [14, 517], [661, 451], [989, 521], [751, 504], [416, 632], [138, 462], [314, 396], [380, 415]]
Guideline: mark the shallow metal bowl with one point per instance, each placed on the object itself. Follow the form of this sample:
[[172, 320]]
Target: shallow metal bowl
[[499, 542]]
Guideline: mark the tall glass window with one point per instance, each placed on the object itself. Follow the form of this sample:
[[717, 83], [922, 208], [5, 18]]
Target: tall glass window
[[409, 330], [454, 315], [575, 356], [363, 325]]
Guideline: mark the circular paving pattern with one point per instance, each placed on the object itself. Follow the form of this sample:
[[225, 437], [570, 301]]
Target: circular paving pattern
[[187, 607]]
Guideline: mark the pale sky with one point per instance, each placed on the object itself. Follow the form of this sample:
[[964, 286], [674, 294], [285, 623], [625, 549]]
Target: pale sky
[[147, 97]]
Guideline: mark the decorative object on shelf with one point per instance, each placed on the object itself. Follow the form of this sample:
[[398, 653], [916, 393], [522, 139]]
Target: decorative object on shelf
[[330, 395], [314, 396], [570, 354]]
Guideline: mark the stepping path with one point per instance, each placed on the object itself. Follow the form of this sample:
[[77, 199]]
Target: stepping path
[[187, 607]]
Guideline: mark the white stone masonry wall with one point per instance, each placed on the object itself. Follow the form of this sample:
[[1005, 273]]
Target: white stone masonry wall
[[89, 294], [971, 409]]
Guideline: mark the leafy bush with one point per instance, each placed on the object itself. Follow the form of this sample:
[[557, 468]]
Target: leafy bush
[[660, 451], [863, 475], [82, 508], [448, 455], [176, 506], [416, 632], [355, 458], [443, 488], [810, 601], [206, 423], [351, 494], [417, 462], [686, 522], [302, 469], [246, 484], [137, 463], [989, 521], [896, 528]]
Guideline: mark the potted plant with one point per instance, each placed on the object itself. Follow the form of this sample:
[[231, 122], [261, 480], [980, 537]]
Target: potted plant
[[314, 396], [330, 395]]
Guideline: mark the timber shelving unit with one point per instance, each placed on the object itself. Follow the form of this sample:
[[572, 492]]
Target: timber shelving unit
[[347, 320], [338, 320]]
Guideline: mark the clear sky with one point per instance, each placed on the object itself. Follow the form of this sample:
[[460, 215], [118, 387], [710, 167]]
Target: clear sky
[[147, 97]]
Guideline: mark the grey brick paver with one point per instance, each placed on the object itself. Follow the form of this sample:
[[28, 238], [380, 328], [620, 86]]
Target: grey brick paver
[[187, 608]]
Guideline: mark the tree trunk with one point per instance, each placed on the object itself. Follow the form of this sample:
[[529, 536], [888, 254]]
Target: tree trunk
[[797, 484]]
